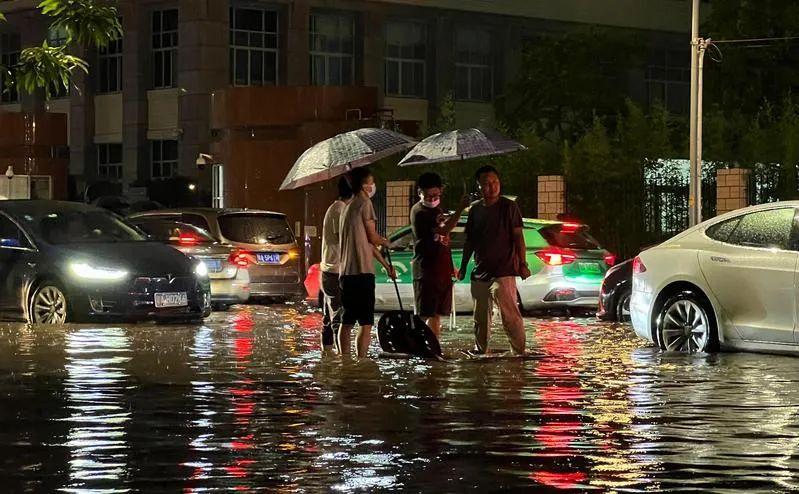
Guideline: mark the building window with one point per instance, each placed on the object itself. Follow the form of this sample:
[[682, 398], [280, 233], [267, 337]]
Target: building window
[[474, 74], [58, 37], [109, 68], [253, 47], [164, 156], [332, 49], [405, 59], [165, 48], [668, 80], [109, 161], [9, 56]]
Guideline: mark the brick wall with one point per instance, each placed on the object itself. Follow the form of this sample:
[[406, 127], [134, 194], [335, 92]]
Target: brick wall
[[399, 197], [732, 189], [551, 196]]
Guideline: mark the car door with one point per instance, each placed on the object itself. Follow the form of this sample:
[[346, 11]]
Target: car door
[[750, 266], [17, 263]]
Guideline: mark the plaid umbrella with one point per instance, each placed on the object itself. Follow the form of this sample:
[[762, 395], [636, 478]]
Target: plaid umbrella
[[462, 144], [339, 154]]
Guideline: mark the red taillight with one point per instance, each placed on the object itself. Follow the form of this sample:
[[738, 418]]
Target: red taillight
[[610, 259], [188, 239], [638, 266], [556, 257], [239, 258], [569, 227]]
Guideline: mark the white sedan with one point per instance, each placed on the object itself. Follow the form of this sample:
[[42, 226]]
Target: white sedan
[[730, 282]]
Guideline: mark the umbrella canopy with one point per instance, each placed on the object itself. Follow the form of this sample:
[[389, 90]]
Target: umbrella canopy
[[459, 144], [339, 154]]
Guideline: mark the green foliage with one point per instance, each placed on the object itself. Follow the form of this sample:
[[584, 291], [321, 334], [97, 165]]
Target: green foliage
[[88, 23], [46, 67]]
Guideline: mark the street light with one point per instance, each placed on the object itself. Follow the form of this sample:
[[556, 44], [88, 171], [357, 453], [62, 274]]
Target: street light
[[10, 172]]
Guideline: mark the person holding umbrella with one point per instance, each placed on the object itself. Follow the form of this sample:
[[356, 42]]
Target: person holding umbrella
[[359, 245], [330, 267], [494, 234], [432, 259]]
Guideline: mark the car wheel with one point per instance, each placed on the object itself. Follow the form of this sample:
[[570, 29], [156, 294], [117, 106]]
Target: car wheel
[[686, 323], [49, 304], [623, 306]]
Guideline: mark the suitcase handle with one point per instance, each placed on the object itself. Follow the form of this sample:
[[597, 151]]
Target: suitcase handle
[[396, 287]]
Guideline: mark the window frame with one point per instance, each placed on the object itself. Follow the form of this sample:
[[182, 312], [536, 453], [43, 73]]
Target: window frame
[[31, 245], [664, 64], [174, 163], [9, 56], [109, 164], [105, 57], [234, 48], [402, 61], [792, 244], [327, 56], [165, 52], [472, 67]]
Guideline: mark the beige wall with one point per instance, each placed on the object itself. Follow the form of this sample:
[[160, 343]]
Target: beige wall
[[11, 108], [408, 109], [108, 118], [665, 15]]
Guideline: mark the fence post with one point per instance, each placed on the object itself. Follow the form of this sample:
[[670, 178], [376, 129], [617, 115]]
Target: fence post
[[551, 196], [732, 189], [399, 198]]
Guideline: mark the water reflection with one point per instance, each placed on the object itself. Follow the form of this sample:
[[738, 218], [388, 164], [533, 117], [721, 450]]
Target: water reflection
[[95, 389]]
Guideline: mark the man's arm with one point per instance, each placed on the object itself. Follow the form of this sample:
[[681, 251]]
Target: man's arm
[[467, 256], [521, 252], [374, 238], [392, 273], [452, 221]]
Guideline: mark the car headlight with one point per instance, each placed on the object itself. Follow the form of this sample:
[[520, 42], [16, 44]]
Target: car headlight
[[89, 272], [201, 270]]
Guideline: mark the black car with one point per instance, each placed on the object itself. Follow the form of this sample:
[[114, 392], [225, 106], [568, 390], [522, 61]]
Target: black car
[[68, 262], [614, 296]]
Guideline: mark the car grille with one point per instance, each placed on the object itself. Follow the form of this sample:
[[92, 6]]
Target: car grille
[[157, 284]]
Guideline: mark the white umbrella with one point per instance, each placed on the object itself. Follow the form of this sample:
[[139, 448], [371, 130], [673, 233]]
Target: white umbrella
[[339, 154], [462, 144]]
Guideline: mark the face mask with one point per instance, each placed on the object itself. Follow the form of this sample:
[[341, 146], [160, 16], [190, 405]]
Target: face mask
[[371, 190], [431, 204]]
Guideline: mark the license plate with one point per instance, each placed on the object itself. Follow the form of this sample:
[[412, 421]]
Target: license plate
[[268, 257], [589, 267], [213, 265], [176, 299]]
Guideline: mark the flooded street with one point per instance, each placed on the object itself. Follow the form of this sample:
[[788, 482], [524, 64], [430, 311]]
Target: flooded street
[[244, 402]]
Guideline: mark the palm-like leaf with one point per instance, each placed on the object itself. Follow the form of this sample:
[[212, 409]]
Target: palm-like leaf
[[46, 67], [86, 22]]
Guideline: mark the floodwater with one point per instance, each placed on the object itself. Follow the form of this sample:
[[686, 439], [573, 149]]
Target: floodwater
[[245, 403]]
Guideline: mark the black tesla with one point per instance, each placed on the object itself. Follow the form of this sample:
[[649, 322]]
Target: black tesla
[[68, 262]]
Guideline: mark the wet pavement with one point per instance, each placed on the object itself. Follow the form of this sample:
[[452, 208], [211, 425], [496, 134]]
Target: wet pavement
[[244, 402]]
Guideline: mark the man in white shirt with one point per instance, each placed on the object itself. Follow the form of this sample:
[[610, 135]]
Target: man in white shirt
[[330, 266]]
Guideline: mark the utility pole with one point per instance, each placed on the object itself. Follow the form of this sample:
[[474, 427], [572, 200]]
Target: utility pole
[[695, 181]]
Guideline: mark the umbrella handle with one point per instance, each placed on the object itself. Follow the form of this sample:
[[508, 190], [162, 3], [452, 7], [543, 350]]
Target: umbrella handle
[[396, 287]]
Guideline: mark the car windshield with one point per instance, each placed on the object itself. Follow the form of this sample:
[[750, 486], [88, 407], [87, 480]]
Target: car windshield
[[173, 231], [255, 228], [569, 236], [71, 227]]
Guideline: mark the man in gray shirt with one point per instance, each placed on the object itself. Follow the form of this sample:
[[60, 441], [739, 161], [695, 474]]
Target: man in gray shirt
[[359, 243], [494, 234], [330, 265]]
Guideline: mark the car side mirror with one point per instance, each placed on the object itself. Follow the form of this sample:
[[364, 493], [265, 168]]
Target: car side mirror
[[10, 242]]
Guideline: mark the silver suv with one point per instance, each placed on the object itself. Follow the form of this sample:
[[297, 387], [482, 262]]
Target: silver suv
[[265, 245]]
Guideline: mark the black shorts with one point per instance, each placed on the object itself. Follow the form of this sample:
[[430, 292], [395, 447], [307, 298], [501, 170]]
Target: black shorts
[[358, 299], [432, 297]]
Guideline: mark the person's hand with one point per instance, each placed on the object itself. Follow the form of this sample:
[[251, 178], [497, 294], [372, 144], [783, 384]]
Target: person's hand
[[392, 272], [444, 239], [456, 273], [524, 272], [466, 201], [384, 242], [461, 274]]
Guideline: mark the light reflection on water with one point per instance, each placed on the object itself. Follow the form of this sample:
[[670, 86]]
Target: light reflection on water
[[244, 402]]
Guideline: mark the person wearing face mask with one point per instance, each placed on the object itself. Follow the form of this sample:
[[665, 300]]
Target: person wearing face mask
[[432, 259], [359, 245]]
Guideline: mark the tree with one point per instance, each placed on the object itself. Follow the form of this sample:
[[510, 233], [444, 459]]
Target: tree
[[87, 23]]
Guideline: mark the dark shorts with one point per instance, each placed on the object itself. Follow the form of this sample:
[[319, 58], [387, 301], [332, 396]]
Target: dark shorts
[[358, 299], [432, 297]]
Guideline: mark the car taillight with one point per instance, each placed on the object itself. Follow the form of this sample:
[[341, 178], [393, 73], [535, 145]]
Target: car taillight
[[239, 258], [569, 227], [556, 257], [188, 239], [610, 259], [294, 254], [638, 266]]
